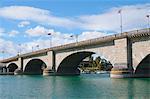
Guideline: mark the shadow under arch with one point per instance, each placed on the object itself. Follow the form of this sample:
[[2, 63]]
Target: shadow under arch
[[69, 66], [35, 67], [143, 68], [12, 67]]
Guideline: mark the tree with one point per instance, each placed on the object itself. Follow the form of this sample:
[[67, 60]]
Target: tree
[[91, 61], [97, 64]]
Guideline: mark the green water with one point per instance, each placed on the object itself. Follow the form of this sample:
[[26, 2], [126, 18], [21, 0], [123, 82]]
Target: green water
[[94, 86]]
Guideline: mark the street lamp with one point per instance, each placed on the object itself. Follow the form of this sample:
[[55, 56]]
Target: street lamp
[[120, 13], [3, 52], [148, 20], [76, 37], [50, 34], [37, 47], [19, 49], [32, 48]]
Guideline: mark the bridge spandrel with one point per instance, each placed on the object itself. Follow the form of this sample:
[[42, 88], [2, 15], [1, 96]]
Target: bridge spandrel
[[121, 53], [140, 50]]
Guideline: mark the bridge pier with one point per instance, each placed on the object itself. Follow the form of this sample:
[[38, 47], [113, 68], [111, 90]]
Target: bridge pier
[[123, 64], [121, 73], [50, 70], [19, 70]]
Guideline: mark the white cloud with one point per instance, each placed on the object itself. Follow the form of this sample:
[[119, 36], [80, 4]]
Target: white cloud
[[45, 43], [91, 35], [23, 23], [34, 14], [2, 31], [58, 38], [38, 30], [13, 33], [9, 50], [133, 17]]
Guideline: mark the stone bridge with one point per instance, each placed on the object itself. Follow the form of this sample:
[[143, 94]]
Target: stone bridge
[[129, 52]]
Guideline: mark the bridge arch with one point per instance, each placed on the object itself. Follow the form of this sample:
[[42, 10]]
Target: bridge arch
[[35, 66], [69, 65], [12, 67], [143, 68]]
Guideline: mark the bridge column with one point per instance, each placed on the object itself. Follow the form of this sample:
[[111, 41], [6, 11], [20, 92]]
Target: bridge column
[[4, 70], [19, 70], [50, 70], [0, 70], [123, 62]]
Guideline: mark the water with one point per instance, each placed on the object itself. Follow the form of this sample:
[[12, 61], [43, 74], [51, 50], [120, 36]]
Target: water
[[94, 86]]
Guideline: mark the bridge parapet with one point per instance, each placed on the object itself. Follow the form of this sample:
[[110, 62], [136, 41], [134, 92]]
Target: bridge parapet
[[130, 34], [139, 33]]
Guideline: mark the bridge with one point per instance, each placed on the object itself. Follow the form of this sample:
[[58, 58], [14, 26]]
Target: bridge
[[128, 52]]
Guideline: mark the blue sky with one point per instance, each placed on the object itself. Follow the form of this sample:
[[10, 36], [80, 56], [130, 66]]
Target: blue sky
[[24, 24]]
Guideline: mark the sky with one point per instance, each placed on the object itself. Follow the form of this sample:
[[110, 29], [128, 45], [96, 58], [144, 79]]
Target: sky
[[25, 24]]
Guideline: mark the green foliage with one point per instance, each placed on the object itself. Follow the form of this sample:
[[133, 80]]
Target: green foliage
[[98, 64]]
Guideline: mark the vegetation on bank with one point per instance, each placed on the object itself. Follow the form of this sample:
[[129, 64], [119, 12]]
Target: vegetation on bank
[[97, 64]]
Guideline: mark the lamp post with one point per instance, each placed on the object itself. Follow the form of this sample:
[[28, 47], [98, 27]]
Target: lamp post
[[19, 49], [120, 13], [3, 52], [50, 34], [37, 46], [32, 48], [148, 20], [76, 37]]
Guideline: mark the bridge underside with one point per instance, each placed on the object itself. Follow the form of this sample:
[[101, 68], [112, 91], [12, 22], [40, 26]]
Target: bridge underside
[[69, 66], [143, 69], [35, 67], [12, 67]]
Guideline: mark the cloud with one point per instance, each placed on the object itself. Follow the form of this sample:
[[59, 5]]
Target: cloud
[[13, 33], [2, 31], [38, 30], [91, 35], [34, 14], [9, 50], [133, 17], [58, 38], [23, 23]]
